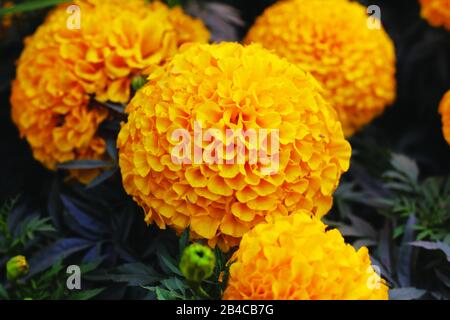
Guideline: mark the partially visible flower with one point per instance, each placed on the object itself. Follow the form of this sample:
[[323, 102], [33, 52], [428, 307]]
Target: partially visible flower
[[444, 109], [295, 258], [240, 89], [332, 40], [17, 267], [64, 75], [197, 263], [436, 12]]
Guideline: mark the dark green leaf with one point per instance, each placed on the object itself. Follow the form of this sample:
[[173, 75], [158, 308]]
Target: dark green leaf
[[170, 264]]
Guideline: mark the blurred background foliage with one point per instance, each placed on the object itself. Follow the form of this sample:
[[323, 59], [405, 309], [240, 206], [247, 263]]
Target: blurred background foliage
[[395, 199]]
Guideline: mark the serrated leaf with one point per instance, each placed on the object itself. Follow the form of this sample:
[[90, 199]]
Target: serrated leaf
[[58, 250], [163, 294], [399, 186], [88, 267], [175, 284], [134, 274], [406, 166], [95, 227]]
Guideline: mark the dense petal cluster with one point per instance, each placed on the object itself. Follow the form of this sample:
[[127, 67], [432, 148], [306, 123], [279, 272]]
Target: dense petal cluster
[[295, 258], [69, 66], [436, 12], [344, 50], [239, 89], [444, 109]]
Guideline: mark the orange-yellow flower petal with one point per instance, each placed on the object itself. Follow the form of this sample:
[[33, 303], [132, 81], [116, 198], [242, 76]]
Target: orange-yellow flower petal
[[436, 12], [444, 109], [332, 40], [62, 73], [223, 200], [295, 258]]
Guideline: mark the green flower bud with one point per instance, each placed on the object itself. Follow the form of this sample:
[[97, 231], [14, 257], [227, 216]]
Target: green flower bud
[[16, 268], [197, 262], [138, 82]]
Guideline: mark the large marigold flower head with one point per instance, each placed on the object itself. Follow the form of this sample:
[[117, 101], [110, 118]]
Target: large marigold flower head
[[444, 109], [63, 73], [230, 87], [332, 40], [436, 12], [295, 258]]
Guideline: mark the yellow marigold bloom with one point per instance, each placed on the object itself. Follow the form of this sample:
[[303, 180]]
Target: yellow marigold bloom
[[295, 258], [332, 40], [444, 109], [64, 71], [225, 87], [436, 12]]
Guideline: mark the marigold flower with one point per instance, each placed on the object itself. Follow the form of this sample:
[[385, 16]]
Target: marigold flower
[[295, 258], [436, 12], [17, 267], [225, 87], [197, 262], [444, 109], [64, 73], [332, 40]]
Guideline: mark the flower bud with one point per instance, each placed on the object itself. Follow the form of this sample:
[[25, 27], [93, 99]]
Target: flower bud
[[138, 82], [17, 267], [197, 262]]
